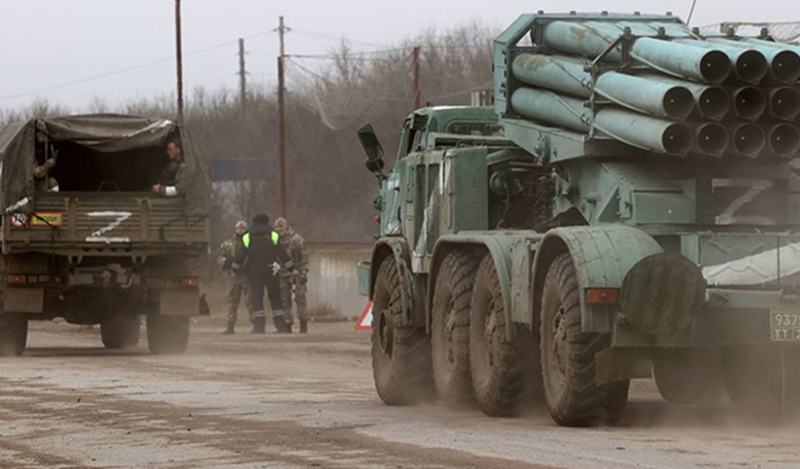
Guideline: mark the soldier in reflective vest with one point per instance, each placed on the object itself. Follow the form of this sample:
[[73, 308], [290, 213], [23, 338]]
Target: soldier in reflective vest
[[261, 256]]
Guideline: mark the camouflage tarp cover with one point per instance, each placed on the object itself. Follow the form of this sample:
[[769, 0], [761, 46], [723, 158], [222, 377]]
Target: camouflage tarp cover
[[102, 132]]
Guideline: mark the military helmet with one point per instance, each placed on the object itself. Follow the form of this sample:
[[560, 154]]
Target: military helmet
[[281, 223]]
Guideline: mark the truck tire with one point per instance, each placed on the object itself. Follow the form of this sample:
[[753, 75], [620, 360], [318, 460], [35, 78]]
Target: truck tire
[[401, 355], [687, 376], [450, 310], [501, 370], [753, 377], [167, 335], [13, 334], [120, 332], [568, 356]]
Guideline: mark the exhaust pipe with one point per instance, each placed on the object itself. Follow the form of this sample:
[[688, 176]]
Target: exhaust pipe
[[747, 139]]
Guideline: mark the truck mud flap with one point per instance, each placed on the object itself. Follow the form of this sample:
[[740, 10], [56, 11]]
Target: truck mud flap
[[23, 300], [179, 302], [662, 294]]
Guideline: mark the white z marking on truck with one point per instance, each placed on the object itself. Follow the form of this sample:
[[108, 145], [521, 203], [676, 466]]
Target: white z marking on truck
[[99, 235]]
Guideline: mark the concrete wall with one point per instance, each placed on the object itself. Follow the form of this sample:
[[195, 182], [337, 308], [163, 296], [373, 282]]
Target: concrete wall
[[332, 282]]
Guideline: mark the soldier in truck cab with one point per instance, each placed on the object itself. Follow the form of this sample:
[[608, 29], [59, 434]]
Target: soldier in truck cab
[[171, 181]]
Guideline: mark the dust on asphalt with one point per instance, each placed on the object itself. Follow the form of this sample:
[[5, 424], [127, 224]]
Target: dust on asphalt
[[308, 401]]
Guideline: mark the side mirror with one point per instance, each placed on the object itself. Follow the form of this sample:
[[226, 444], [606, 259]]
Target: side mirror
[[372, 147]]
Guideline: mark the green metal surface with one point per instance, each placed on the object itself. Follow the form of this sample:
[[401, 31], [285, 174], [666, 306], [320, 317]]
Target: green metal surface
[[662, 294], [653, 97], [396, 249], [656, 207], [602, 256]]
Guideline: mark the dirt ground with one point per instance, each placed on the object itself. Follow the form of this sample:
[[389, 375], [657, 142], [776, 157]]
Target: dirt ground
[[308, 401]]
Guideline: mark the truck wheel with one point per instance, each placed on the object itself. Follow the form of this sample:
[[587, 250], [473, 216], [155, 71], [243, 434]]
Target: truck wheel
[[13, 334], [450, 311], [501, 369], [568, 356], [753, 377], [120, 332], [401, 356], [687, 376], [167, 335]]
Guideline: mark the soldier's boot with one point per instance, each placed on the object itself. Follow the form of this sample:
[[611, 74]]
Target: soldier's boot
[[281, 326], [229, 330], [259, 325], [303, 326]]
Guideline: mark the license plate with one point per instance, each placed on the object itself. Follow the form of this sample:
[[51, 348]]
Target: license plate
[[785, 325]]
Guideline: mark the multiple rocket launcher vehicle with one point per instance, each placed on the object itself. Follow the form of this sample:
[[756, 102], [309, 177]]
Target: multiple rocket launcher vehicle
[[664, 88]]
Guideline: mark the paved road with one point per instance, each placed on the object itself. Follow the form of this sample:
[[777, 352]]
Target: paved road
[[299, 402]]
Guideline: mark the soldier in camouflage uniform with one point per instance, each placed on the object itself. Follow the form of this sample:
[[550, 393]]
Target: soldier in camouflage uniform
[[239, 284], [297, 249], [41, 174]]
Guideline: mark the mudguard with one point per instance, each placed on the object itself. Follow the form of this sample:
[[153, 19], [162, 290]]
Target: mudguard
[[602, 256], [512, 255], [412, 287]]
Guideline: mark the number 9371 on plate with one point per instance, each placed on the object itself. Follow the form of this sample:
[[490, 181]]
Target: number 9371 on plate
[[785, 326]]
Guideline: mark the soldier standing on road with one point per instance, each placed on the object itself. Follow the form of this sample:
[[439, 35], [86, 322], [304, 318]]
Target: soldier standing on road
[[170, 182], [297, 250], [239, 283], [262, 255]]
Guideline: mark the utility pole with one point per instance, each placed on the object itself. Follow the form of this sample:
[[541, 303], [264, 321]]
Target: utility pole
[[415, 67], [281, 118], [179, 58], [242, 80]]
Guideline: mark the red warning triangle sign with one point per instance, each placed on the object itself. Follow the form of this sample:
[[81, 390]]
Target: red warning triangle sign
[[364, 322]]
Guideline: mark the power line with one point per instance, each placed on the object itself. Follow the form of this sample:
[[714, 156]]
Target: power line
[[327, 36], [126, 69]]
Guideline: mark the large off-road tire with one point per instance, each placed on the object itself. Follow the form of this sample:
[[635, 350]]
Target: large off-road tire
[[120, 332], [568, 356], [502, 370], [452, 297], [167, 335], [754, 378], [401, 355], [13, 334], [688, 376]]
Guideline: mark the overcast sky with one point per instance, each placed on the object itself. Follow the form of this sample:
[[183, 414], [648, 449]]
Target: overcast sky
[[45, 43]]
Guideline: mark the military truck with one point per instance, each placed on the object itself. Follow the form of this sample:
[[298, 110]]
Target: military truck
[[103, 249], [638, 218]]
